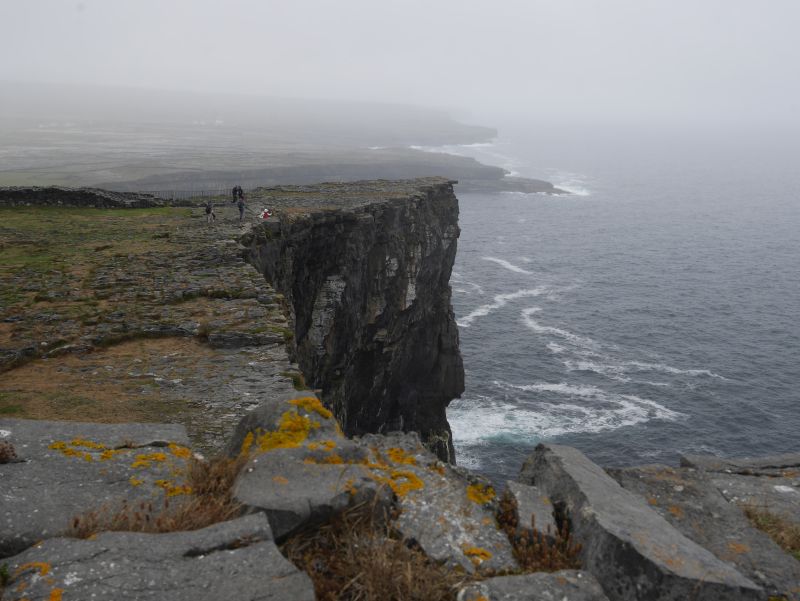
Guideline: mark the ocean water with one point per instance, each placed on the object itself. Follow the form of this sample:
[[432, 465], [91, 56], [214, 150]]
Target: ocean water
[[653, 312]]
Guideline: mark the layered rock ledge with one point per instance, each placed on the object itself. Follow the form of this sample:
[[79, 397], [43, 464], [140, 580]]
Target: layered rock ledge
[[365, 268]]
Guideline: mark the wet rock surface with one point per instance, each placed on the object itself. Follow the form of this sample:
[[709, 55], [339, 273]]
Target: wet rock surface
[[630, 549], [691, 502], [366, 268], [565, 585], [232, 560], [67, 468]]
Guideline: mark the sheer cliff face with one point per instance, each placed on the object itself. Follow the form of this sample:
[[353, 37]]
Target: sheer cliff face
[[368, 285]]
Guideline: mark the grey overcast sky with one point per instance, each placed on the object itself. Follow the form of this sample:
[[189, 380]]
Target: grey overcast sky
[[726, 60]]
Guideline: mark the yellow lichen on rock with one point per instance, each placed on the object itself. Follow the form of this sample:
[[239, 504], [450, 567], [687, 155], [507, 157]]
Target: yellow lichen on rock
[[293, 431], [180, 451], [480, 494], [144, 460], [41, 566], [477, 555], [312, 404], [401, 482], [398, 455]]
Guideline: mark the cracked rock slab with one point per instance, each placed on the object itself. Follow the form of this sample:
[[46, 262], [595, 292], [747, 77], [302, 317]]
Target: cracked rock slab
[[448, 512], [566, 585], [235, 560], [690, 501], [67, 468], [634, 552]]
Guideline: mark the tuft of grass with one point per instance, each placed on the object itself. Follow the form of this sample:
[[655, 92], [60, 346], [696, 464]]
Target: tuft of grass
[[536, 551], [210, 501], [357, 557], [298, 380], [785, 533], [4, 577], [11, 409]]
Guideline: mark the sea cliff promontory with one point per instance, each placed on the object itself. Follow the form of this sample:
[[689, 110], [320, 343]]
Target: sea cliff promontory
[[304, 363]]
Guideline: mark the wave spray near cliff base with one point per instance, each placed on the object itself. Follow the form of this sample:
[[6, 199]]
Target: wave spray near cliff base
[[643, 317]]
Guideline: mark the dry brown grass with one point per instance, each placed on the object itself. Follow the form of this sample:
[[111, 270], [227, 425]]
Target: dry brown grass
[[533, 550], [210, 502], [782, 531], [357, 557]]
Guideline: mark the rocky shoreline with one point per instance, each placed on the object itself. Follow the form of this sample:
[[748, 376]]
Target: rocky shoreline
[[230, 500]]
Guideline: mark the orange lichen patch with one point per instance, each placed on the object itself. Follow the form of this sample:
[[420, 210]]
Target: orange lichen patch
[[144, 460], [55, 594], [477, 555], [109, 454], [325, 445], [350, 487], [676, 511], [180, 451], [738, 548], [82, 442], [480, 494], [172, 489], [247, 443], [652, 501], [58, 445], [292, 431], [437, 467], [398, 455], [401, 482], [312, 404], [134, 481], [280, 480], [41, 566]]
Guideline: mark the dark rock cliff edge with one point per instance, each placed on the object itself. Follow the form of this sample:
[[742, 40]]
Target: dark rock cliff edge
[[366, 274]]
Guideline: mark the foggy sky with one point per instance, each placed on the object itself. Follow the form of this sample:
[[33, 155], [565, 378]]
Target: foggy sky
[[661, 60]]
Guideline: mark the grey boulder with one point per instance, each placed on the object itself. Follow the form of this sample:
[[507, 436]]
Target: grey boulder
[[633, 552]]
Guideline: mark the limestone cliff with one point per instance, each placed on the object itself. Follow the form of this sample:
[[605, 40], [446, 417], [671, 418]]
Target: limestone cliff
[[365, 268]]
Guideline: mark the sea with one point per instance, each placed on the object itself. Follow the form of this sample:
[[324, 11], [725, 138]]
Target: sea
[[652, 312]]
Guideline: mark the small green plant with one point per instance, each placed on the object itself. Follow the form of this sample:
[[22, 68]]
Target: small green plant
[[298, 380], [4, 576]]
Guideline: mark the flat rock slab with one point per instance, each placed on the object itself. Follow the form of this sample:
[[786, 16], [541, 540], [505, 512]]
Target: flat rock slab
[[67, 468], [566, 585], [297, 494], [235, 560], [780, 496], [774, 465], [691, 502], [634, 552], [534, 510]]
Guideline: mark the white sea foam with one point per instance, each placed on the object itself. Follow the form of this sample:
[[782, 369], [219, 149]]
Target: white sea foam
[[639, 365], [542, 329], [577, 409], [498, 301], [507, 265]]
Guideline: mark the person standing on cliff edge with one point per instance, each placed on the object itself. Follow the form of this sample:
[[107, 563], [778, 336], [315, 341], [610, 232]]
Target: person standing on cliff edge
[[240, 205]]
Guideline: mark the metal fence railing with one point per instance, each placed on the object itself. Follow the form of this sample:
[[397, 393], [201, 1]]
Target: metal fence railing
[[185, 194]]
